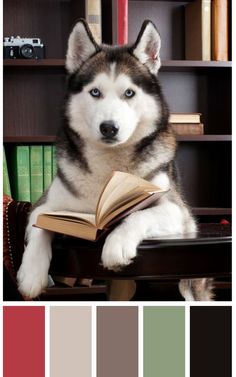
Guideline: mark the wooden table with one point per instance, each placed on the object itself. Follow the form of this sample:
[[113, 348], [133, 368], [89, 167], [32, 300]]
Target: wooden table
[[207, 255]]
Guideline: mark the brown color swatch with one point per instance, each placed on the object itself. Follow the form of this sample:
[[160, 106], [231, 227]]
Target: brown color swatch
[[117, 341]]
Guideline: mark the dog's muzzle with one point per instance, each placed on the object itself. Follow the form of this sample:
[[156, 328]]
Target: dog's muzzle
[[109, 131]]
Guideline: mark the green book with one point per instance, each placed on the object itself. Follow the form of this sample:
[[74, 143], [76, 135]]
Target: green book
[[21, 173], [6, 182], [47, 166], [36, 172], [54, 161]]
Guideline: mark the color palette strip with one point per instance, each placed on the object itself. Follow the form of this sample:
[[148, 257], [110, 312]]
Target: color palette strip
[[118, 349]]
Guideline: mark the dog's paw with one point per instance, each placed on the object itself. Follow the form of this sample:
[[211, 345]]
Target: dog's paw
[[32, 276], [119, 250]]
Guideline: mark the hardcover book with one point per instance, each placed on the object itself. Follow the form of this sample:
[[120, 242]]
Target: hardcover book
[[54, 161], [188, 128], [36, 172], [21, 173], [184, 117], [198, 30], [120, 22], [47, 166], [93, 15], [6, 182], [220, 30], [122, 194]]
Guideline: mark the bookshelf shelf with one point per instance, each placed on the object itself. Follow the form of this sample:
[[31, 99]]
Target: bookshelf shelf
[[166, 64], [204, 138], [23, 63], [205, 211], [39, 139], [193, 65], [51, 138]]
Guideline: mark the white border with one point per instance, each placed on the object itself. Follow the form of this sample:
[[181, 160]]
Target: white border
[[140, 305], [94, 340], [140, 340], [47, 341], [187, 340], [233, 188]]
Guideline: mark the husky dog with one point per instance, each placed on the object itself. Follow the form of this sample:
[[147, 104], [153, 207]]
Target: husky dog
[[116, 118]]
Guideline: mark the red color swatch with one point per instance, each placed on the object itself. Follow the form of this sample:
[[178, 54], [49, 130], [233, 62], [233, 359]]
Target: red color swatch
[[23, 341]]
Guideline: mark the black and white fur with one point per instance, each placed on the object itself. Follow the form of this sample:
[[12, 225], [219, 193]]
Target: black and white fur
[[118, 87]]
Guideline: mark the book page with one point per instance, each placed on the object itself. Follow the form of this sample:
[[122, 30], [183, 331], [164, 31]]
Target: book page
[[72, 216], [120, 187]]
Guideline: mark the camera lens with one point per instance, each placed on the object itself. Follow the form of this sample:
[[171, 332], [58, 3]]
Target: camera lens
[[27, 51]]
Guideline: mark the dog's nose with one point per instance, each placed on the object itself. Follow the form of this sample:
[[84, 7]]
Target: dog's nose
[[108, 129]]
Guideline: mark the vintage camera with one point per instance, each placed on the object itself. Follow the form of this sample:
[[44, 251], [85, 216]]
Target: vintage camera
[[23, 48]]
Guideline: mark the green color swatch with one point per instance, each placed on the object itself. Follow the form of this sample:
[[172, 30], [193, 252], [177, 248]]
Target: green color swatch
[[164, 341]]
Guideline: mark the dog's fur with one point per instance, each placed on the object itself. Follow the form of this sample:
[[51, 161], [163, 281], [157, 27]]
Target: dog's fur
[[118, 85]]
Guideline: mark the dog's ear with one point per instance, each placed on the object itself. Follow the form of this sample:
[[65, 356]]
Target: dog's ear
[[81, 45], [147, 47]]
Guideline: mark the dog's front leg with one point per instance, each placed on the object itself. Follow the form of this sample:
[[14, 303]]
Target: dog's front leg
[[32, 276], [164, 219]]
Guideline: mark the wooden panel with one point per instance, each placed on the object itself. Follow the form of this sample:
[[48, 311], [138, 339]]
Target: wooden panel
[[205, 170], [169, 19], [48, 20], [176, 88], [32, 102], [205, 91]]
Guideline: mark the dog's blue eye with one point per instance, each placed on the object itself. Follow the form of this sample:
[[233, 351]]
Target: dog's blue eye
[[95, 93], [129, 93]]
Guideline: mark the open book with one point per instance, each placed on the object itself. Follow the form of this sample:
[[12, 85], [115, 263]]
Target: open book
[[122, 194]]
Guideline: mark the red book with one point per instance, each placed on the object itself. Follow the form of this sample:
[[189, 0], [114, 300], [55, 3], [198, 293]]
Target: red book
[[120, 21]]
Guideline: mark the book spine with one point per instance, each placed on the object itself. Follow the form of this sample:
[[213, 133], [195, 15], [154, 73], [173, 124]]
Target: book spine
[[21, 173], [47, 166], [36, 172], [206, 29], [220, 30], [122, 22], [198, 30], [6, 181], [54, 162], [93, 15], [188, 129]]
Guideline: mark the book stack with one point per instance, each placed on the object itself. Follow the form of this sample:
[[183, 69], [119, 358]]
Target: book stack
[[206, 30], [33, 168], [186, 123]]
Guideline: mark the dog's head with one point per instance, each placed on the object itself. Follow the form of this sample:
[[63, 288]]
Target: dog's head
[[114, 96]]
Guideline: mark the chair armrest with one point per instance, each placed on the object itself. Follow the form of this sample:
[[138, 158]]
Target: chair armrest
[[15, 216]]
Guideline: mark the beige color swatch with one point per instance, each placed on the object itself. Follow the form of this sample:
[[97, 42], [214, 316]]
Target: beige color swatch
[[70, 341]]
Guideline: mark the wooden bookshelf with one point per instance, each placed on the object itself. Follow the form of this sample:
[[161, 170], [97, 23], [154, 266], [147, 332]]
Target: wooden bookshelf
[[34, 89]]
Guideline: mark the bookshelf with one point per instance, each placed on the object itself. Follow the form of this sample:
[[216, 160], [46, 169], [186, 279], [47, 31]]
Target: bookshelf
[[34, 90]]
